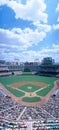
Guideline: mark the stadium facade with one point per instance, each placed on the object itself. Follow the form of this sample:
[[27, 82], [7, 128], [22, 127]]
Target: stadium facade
[[46, 68]]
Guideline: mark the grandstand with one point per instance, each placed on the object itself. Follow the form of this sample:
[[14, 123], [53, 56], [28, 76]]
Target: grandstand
[[48, 68], [12, 68], [16, 116], [4, 71]]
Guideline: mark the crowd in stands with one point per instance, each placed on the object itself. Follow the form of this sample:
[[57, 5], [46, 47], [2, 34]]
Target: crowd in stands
[[12, 111]]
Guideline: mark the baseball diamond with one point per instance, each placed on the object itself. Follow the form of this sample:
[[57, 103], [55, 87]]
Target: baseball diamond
[[29, 90]]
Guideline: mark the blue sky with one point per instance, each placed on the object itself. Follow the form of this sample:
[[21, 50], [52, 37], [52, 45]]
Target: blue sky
[[29, 30]]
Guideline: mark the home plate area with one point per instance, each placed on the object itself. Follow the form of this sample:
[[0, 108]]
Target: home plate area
[[31, 92]]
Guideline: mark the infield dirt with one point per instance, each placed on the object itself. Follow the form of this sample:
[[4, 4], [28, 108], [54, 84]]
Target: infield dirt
[[19, 99]]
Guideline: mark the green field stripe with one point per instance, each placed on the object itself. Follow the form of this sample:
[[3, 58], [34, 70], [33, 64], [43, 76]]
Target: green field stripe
[[15, 92], [44, 91], [27, 73], [31, 99], [14, 79], [26, 88]]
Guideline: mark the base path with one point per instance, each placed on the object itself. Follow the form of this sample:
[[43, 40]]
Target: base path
[[44, 99]]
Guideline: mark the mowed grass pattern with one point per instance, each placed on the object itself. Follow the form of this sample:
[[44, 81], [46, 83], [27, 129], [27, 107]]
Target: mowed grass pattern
[[6, 81], [15, 92], [29, 87], [45, 91], [27, 73], [31, 99]]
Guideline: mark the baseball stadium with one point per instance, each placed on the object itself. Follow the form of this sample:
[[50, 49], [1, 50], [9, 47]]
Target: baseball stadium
[[29, 95]]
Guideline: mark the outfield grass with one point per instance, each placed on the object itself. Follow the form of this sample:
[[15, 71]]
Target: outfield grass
[[14, 79], [27, 73]]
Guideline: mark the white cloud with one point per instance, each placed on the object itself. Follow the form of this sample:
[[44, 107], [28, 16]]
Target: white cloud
[[53, 49], [31, 55], [46, 52], [56, 26], [44, 27], [33, 10], [23, 39], [57, 9], [56, 46], [58, 19], [16, 42]]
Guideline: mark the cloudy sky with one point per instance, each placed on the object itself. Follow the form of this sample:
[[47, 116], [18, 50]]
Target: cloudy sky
[[29, 30]]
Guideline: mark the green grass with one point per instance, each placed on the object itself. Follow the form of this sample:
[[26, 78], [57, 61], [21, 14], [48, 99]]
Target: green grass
[[15, 92], [27, 73], [31, 99], [27, 89], [44, 91], [14, 79]]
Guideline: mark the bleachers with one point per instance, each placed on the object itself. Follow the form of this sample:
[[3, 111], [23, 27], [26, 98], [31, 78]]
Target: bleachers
[[19, 116]]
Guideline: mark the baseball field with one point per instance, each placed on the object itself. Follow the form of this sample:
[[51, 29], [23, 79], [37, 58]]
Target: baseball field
[[28, 90]]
